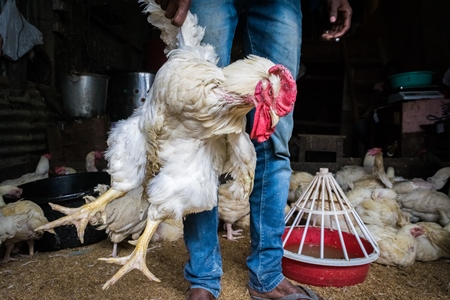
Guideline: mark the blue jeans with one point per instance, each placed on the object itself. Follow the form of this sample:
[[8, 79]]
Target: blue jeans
[[273, 30]]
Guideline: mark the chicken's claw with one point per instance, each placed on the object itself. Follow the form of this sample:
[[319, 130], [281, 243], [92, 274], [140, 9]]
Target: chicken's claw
[[80, 216], [136, 260], [232, 235]]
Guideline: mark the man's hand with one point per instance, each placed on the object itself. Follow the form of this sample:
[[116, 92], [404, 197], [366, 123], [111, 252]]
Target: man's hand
[[340, 19], [176, 10]]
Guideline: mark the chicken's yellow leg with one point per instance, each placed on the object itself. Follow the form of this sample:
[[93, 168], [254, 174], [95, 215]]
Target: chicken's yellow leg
[[136, 260], [80, 216]]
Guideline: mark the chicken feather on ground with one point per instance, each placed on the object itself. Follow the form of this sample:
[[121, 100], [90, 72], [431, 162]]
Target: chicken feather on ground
[[172, 145]]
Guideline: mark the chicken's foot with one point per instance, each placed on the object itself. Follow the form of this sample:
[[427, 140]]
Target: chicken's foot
[[80, 216], [232, 235], [136, 260]]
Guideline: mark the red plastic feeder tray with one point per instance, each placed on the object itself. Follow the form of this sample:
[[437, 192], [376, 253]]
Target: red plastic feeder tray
[[333, 268]]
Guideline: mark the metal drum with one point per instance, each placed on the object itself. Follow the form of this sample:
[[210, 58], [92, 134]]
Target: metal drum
[[127, 92], [84, 94]]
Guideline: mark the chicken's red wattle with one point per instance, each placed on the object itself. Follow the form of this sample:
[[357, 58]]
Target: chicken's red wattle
[[281, 105]]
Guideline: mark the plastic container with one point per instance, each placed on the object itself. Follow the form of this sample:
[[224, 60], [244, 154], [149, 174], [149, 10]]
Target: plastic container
[[325, 241], [335, 272], [411, 79]]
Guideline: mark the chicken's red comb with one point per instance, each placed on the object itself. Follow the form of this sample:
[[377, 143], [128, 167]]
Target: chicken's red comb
[[375, 151], [98, 154], [288, 90]]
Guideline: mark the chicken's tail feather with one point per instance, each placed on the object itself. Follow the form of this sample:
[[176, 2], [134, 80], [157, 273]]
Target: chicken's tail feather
[[188, 36]]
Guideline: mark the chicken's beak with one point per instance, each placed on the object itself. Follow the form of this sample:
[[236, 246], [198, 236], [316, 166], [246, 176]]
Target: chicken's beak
[[274, 117]]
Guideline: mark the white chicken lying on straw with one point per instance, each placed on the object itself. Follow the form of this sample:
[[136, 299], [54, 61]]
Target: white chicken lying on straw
[[424, 205], [382, 209], [434, 243], [173, 144], [398, 247]]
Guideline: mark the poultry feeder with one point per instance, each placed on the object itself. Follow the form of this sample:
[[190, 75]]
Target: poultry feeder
[[325, 241]]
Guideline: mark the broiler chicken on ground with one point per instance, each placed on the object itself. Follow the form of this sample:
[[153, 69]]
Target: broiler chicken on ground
[[33, 217], [382, 209], [10, 225], [424, 205], [122, 218], [41, 172], [434, 243], [173, 144], [398, 247]]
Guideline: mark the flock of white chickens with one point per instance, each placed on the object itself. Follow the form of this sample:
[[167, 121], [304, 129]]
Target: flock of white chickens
[[19, 219], [408, 218]]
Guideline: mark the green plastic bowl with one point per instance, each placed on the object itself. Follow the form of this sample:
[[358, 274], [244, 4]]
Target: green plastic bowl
[[411, 79]]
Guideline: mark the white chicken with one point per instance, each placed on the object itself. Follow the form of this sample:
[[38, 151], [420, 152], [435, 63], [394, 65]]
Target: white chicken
[[91, 160], [398, 247], [125, 216], [434, 243], [230, 208], [173, 144], [28, 230], [41, 172], [298, 183], [358, 195], [347, 175], [10, 225], [382, 209], [424, 204], [439, 179], [63, 170], [371, 175], [405, 186]]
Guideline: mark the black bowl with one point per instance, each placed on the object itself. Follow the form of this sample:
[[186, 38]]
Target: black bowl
[[66, 190]]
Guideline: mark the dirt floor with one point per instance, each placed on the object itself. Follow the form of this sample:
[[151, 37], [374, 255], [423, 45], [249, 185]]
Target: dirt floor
[[77, 274]]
